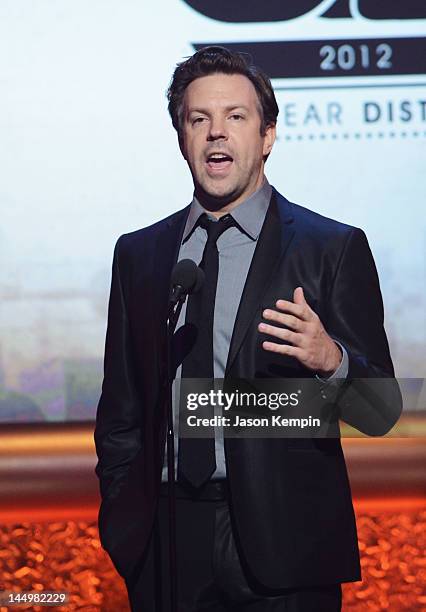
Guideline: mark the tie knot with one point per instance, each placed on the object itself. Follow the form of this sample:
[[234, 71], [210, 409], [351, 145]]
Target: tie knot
[[216, 228]]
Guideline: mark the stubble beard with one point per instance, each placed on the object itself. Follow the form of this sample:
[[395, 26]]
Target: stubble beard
[[214, 201]]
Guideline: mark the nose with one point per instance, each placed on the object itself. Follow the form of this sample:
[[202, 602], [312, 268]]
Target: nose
[[217, 129]]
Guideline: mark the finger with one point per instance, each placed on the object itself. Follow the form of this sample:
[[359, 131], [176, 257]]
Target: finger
[[281, 334], [284, 319], [299, 296], [283, 349], [298, 310]]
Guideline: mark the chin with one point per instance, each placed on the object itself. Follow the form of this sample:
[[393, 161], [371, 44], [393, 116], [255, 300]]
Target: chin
[[218, 192], [216, 201]]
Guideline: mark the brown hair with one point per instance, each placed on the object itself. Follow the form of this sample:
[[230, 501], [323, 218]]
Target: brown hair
[[213, 60]]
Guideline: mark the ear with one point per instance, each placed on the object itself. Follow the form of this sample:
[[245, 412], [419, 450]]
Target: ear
[[269, 138]]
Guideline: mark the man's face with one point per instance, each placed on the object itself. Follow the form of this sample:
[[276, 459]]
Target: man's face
[[221, 139]]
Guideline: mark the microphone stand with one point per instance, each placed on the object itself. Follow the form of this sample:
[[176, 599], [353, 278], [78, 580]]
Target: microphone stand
[[175, 306]]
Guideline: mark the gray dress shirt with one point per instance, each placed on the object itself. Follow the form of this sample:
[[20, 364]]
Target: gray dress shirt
[[236, 247]]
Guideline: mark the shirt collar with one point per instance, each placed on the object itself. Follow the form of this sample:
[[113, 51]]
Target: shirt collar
[[249, 215]]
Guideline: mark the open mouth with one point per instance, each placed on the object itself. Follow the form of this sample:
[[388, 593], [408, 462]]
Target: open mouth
[[219, 162]]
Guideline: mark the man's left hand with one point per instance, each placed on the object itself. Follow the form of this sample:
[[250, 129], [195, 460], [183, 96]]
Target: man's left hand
[[309, 342]]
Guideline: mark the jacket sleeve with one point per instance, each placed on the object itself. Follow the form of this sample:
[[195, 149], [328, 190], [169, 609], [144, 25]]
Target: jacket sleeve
[[369, 399], [118, 418]]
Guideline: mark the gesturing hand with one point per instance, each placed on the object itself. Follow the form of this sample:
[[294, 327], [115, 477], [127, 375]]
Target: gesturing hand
[[309, 342]]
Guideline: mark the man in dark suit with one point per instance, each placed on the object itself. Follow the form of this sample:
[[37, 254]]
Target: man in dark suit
[[262, 524]]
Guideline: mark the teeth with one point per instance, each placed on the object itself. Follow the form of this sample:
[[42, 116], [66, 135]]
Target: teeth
[[218, 156]]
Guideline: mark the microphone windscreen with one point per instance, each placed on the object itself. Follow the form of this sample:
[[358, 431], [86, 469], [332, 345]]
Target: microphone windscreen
[[188, 275]]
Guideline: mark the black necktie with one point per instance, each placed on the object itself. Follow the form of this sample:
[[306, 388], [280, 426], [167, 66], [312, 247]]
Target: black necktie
[[196, 456]]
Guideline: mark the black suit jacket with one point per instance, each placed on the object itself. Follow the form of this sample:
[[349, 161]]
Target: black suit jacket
[[290, 498]]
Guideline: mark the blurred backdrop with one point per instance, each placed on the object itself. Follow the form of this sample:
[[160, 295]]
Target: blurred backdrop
[[87, 152]]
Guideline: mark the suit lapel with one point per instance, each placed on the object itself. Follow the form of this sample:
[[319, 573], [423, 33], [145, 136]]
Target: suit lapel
[[274, 238], [166, 253]]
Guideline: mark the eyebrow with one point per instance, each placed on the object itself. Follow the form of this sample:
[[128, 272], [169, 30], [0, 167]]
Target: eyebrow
[[228, 109]]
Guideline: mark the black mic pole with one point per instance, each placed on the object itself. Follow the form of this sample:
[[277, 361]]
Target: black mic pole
[[172, 319], [187, 278]]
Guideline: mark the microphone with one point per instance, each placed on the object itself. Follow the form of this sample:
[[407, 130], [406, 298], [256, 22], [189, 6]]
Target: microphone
[[187, 278]]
